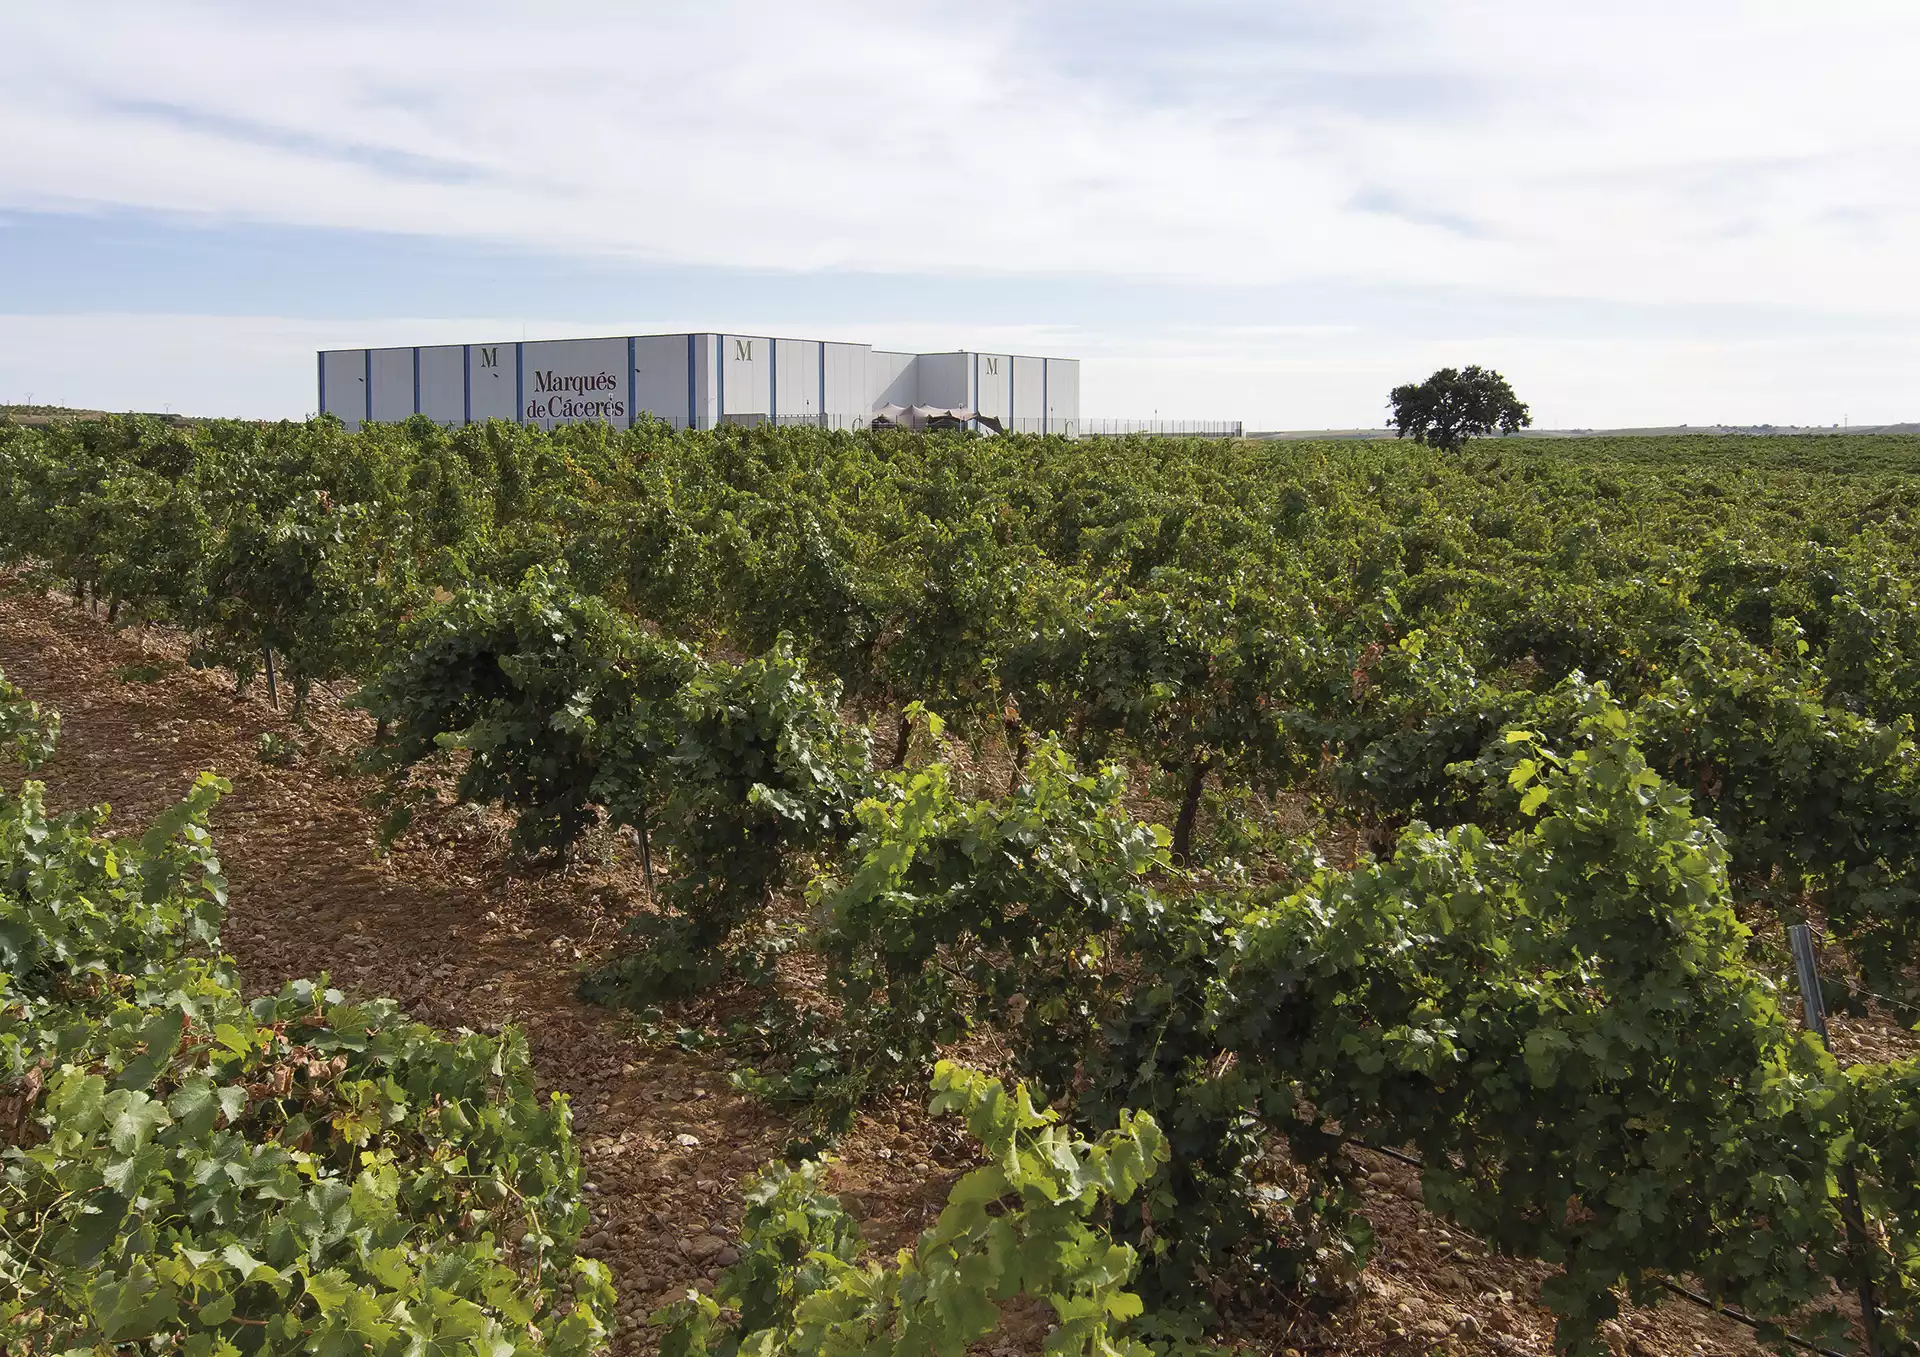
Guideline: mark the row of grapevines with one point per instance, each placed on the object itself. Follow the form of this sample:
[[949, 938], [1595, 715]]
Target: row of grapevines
[[1218, 612], [1022, 1224], [1564, 1021], [297, 1174], [571, 715]]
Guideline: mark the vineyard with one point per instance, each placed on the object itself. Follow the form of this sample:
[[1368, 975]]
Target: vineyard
[[1200, 820]]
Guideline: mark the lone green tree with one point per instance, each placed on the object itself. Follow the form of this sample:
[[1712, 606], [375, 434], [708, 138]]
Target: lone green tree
[[1456, 404]]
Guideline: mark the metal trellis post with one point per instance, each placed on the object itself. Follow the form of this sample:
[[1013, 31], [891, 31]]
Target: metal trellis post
[[1859, 1241]]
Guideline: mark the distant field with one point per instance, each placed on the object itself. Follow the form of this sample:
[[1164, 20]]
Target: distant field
[[35, 415]]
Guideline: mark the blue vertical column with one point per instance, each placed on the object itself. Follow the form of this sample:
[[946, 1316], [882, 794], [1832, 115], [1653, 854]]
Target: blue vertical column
[[519, 384], [630, 380], [367, 382], [466, 383], [692, 422]]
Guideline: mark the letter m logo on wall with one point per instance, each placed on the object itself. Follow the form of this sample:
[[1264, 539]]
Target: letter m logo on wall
[[992, 366], [490, 358], [743, 350]]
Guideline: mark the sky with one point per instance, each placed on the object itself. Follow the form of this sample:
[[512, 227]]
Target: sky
[[1693, 211]]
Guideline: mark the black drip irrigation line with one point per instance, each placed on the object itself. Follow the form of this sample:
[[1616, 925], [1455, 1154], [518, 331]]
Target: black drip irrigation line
[[1737, 1316], [1740, 1317], [1394, 1155], [1887, 999], [1857, 991]]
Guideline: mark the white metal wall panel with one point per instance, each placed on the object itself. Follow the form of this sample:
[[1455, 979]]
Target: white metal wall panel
[[660, 378], [1028, 397], [343, 385], [892, 379], [571, 381], [797, 390], [491, 391], [706, 371], [943, 379], [443, 383], [744, 364], [850, 395], [1063, 396], [392, 385], [994, 384]]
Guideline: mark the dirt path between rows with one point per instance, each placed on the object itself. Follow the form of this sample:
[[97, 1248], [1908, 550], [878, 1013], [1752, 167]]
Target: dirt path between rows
[[444, 926]]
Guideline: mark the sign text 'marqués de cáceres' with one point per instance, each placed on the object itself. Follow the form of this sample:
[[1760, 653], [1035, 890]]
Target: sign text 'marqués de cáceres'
[[558, 395]]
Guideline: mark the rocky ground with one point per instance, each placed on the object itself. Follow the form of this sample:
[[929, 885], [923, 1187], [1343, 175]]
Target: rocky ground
[[445, 925]]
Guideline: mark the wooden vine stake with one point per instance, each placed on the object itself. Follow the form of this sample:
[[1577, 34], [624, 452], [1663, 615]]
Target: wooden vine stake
[[1859, 1242]]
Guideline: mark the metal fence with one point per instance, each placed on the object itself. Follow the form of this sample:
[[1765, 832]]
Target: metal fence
[[1165, 428], [1068, 428], [1065, 428], [844, 422]]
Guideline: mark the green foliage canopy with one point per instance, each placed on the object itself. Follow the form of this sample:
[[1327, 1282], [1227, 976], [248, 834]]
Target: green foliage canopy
[[1456, 404]]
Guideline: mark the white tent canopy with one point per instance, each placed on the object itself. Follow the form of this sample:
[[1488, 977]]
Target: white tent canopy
[[921, 416]]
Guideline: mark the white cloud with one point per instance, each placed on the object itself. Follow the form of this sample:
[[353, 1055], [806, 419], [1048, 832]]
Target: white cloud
[[1719, 151], [1635, 157]]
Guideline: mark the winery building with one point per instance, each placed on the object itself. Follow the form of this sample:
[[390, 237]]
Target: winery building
[[699, 381]]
